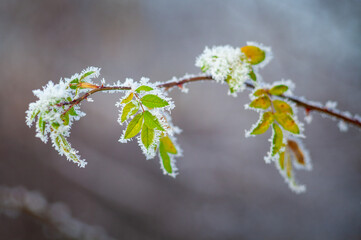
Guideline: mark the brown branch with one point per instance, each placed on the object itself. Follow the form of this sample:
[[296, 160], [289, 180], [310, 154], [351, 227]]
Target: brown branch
[[300, 103]]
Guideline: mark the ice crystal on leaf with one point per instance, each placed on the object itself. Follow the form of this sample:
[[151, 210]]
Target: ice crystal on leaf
[[342, 126]]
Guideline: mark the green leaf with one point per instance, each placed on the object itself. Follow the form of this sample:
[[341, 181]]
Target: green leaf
[[34, 114], [57, 142], [151, 121], [143, 88], [282, 106], [252, 75], [281, 160], [147, 136], [73, 84], [72, 112], [134, 126], [168, 145], [262, 102], [127, 108], [64, 142], [55, 125], [229, 81], [134, 110], [65, 118], [41, 125], [128, 98], [287, 122], [263, 125], [278, 89], [165, 158], [153, 101], [86, 74], [260, 92], [254, 54], [277, 140], [204, 68]]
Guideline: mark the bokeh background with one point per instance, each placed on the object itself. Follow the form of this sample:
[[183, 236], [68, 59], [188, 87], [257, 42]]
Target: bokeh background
[[224, 189]]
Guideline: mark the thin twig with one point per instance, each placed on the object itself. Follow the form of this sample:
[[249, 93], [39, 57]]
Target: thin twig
[[300, 103]]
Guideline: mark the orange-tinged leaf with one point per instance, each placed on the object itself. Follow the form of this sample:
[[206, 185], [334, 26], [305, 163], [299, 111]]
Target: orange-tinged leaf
[[262, 102], [287, 122], [87, 85], [297, 152], [254, 54], [263, 125], [282, 106]]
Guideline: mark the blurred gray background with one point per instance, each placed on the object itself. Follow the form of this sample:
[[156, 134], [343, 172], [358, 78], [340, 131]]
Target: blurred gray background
[[224, 189]]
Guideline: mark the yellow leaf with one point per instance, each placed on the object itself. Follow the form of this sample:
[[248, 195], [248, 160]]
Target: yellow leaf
[[287, 122], [282, 107], [263, 125], [128, 98], [168, 145], [262, 102], [260, 92], [254, 54]]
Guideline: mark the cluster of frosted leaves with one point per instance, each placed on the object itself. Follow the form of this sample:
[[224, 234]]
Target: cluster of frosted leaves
[[53, 119], [287, 151], [145, 110], [234, 66]]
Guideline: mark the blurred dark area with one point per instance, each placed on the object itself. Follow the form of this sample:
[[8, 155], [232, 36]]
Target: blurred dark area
[[224, 189]]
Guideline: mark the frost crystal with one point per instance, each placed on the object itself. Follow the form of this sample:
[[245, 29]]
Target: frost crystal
[[225, 64], [308, 118], [331, 105], [342, 126]]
